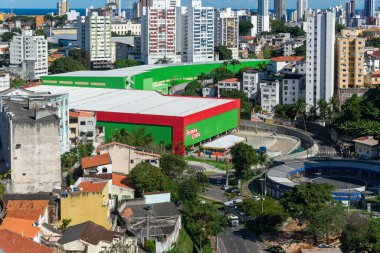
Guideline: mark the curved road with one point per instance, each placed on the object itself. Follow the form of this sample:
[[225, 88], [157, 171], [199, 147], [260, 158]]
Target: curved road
[[239, 240]]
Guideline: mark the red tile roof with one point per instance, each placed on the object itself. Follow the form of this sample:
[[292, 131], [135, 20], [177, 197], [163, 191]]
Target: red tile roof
[[11, 242], [19, 226], [91, 186], [82, 114], [249, 37], [94, 161], [287, 58], [26, 209], [230, 80], [117, 178]]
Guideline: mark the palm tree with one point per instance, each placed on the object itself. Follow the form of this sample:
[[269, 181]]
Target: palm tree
[[262, 158], [334, 104], [300, 111], [323, 107], [234, 63], [163, 60], [137, 137]]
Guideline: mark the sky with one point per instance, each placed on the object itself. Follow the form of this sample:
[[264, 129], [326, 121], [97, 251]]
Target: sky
[[251, 4]]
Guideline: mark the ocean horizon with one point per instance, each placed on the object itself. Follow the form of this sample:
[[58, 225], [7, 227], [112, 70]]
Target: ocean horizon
[[39, 11]]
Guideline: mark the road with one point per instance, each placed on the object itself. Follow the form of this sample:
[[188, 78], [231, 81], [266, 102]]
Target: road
[[239, 240], [216, 193]]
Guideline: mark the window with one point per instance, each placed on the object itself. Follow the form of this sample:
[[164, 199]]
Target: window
[[132, 161], [90, 123], [104, 170], [18, 146], [83, 123]]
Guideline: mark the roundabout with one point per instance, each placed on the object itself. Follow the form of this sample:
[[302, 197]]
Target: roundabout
[[350, 178]]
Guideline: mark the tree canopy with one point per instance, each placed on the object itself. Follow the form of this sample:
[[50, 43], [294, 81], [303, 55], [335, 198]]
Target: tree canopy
[[136, 137], [278, 26], [304, 200], [81, 56], [172, 165], [194, 88], [245, 27], [243, 158], [147, 178], [245, 106], [224, 52], [7, 36], [125, 63], [64, 65]]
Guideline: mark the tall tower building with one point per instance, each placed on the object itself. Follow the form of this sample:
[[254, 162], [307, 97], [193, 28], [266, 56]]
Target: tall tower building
[[353, 8], [118, 5], [369, 8], [263, 8], [94, 36], [227, 30], [158, 32], [280, 9], [320, 40], [62, 7], [302, 6], [350, 60], [197, 31]]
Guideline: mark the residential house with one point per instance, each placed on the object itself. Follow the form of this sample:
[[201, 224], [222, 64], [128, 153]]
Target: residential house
[[367, 147], [11, 242], [50, 235], [276, 64], [269, 95], [82, 126], [124, 157], [89, 237], [120, 189], [293, 88], [228, 85], [210, 91], [25, 217], [290, 46], [5, 81], [251, 84], [163, 216], [87, 200], [373, 79], [98, 164], [372, 61]]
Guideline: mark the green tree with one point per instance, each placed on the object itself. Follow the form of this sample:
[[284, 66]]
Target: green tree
[[172, 165], [147, 178], [84, 150], [245, 27], [301, 50], [81, 56], [221, 73], [7, 36], [234, 63], [194, 88], [285, 111], [356, 234], [224, 52], [65, 224], [64, 65], [245, 106], [150, 246], [327, 222], [203, 220], [138, 137], [300, 111], [164, 60], [189, 190], [243, 158], [324, 108], [304, 200], [339, 27], [268, 212], [17, 82], [120, 63], [40, 32]]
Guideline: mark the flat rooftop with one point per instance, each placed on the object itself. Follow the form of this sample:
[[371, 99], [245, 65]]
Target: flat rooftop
[[131, 101], [131, 71]]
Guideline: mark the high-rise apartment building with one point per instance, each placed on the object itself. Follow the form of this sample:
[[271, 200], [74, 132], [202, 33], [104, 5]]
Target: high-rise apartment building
[[350, 68], [227, 30], [197, 32], [117, 6], [280, 9], [62, 7], [94, 36], [263, 8], [369, 8], [158, 32], [320, 40], [29, 56]]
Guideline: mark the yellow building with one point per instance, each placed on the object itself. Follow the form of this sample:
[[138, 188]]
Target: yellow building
[[350, 68], [4, 16], [88, 202]]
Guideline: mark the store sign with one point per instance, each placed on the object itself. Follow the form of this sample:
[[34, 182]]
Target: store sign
[[193, 133]]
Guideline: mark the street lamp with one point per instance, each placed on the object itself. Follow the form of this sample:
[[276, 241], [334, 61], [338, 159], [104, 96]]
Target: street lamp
[[264, 185], [200, 240]]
